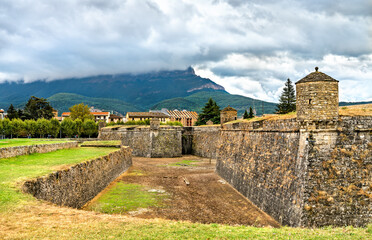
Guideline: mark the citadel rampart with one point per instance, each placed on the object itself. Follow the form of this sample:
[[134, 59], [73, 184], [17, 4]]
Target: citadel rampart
[[77, 185], [39, 148], [302, 177], [262, 164], [313, 169]]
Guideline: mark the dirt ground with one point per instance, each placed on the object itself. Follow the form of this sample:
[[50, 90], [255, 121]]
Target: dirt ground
[[206, 199]]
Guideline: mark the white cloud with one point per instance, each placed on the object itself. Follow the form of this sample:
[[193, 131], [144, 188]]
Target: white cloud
[[249, 47]]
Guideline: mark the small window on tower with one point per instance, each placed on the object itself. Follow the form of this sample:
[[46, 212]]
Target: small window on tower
[[309, 101]]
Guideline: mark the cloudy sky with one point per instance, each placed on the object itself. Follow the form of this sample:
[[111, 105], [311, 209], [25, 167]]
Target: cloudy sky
[[248, 46]]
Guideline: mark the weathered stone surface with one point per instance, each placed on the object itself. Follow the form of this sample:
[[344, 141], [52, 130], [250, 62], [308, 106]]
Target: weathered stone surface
[[228, 114], [77, 185], [262, 165], [113, 133], [145, 142], [303, 177], [40, 148], [205, 141], [312, 174], [317, 101], [338, 189]]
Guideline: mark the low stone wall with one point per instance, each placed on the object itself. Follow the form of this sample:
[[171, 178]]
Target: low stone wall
[[39, 148], [77, 185], [111, 133]]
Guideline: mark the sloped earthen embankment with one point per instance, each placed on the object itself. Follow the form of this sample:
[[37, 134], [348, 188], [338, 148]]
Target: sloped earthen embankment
[[77, 185], [39, 148]]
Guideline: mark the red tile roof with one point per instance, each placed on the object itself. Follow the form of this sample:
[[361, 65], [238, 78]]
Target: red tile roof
[[100, 113], [93, 113]]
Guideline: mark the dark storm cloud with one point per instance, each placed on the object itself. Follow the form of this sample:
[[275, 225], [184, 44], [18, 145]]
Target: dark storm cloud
[[260, 43]]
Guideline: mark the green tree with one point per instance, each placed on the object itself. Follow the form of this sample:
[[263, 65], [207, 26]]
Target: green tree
[[245, 115], [31, 127], [18, 126], [211, 111], [43, 126], [78, 126], [250, 114], [37, 108], [12, 112], [20, 114], [80, 111], [68, 127], [7, 127], [90, 127], [55, 127], [287, 101]]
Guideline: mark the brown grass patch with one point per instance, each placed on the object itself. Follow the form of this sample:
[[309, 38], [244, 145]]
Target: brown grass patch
[[356, 110]]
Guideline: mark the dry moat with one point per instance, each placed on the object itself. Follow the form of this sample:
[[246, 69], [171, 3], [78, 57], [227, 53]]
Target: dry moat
[[190, 190]]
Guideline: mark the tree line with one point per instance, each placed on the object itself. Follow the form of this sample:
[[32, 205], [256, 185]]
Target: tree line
[[47, 128]]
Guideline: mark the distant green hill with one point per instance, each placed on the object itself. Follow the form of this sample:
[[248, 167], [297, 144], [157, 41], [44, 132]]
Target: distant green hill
[[353, 103], [63, 101], [143, 90], [196, 102]]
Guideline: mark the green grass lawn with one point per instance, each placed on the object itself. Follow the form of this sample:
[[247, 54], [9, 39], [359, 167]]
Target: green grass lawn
[[13, 171], [184, 163], [124, 197], [26, 142], [102, 143]]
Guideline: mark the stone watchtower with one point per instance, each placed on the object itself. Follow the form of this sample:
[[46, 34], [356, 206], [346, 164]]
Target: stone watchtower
[[228, 114], [317, 99]]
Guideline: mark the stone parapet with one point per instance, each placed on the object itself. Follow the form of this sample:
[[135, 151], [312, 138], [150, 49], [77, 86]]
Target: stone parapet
[[39, 148], [75, 186]]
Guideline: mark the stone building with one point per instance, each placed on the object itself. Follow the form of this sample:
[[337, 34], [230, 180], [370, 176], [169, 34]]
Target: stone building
[[228, 114], [141, 116], [317, 98], [1, 114], [187, 118]]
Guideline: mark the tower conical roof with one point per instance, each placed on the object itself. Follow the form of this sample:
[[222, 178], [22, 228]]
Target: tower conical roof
[[228, 108], [317, 77]]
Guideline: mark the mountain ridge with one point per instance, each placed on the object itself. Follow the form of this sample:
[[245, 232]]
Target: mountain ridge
[[142, 90]]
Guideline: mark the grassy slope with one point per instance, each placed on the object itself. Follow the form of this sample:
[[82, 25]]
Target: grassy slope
[[13, 171], [102, 143], [26, 142]]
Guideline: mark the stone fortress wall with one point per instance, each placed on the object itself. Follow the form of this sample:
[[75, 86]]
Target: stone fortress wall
[[302, 178], [313, 170]]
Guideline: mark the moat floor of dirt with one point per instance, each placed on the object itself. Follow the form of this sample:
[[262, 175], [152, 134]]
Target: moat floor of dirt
[[206, 199]]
